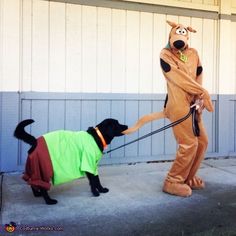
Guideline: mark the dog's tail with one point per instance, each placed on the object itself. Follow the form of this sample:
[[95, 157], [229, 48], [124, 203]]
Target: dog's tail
[[21, 134]]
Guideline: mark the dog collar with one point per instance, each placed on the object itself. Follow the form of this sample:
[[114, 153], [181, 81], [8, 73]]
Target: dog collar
[[182, 56], [101, 137]]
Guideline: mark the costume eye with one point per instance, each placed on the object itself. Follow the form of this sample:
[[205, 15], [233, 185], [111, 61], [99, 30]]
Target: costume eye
[[181, 32], [184, 32], [178, 31]]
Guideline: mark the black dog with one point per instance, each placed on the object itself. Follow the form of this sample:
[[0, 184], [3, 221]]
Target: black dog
[[39, 169]]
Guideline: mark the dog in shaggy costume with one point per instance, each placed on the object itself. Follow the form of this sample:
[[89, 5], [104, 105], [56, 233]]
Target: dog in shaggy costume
[[62, 156], [183, 72]]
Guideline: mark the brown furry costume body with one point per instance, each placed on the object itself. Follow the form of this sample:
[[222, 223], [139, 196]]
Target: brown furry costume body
[[183, 72]]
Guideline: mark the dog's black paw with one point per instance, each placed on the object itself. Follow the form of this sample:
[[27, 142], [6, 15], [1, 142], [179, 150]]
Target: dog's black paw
[[95, 193], [48, 200], [51, 201], [103, 190]]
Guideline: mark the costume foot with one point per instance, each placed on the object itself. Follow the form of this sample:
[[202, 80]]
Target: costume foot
[[182, 190], [196, 183]]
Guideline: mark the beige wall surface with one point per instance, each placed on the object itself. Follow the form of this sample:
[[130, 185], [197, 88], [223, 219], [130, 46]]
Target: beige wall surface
[[54, 46]]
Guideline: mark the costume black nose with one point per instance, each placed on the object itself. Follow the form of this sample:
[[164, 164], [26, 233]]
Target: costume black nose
[[179, 44]]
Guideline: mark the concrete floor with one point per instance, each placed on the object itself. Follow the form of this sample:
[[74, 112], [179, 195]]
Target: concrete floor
[[135, 204]]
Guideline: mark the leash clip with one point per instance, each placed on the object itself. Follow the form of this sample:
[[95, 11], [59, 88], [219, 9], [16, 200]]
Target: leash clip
[[198, 104]]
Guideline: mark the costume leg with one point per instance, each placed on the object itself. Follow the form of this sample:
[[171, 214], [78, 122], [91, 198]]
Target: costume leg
[[193, 181], [188, 143]]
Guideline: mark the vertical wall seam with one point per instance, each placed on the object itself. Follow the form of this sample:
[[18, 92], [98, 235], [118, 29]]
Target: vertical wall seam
[[138, 152], [202, 41], [152, 52], [109, 155], [218, 101], [151, 137], [139, 62], [49, 43], [96, 73], [123, 122], [214, 81], [31, 45], [1, 42], [19, 119], [1, 75], [125, 115], [20, 65], [111, 50], [82, 52], [65, 73], [1, 126], [112, 41], [125, 83], [65, 82], [234, 125]]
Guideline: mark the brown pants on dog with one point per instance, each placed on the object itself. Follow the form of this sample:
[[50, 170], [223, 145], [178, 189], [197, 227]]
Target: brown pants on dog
[[38, 169]]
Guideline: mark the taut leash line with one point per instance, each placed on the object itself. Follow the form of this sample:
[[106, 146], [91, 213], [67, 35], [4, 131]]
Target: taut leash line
[[156, 131]]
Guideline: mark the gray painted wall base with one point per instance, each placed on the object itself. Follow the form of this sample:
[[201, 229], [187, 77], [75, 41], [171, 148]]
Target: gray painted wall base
[[75, 111]]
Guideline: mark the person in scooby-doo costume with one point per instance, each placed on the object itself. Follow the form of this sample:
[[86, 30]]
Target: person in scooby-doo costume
[[183, 73]]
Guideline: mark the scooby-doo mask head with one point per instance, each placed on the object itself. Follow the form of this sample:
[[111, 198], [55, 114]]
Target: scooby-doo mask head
[[179, 35]]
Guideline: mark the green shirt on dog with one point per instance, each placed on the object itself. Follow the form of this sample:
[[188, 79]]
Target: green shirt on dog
[[72, 154]]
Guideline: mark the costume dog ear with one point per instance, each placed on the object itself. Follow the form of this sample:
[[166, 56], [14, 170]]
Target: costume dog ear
[[190, 29], [172, 24]]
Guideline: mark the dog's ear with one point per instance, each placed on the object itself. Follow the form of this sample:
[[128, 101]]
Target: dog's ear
[[172, 24]]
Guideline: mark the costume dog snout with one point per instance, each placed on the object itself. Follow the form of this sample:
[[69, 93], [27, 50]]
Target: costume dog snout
[[178, 44]]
